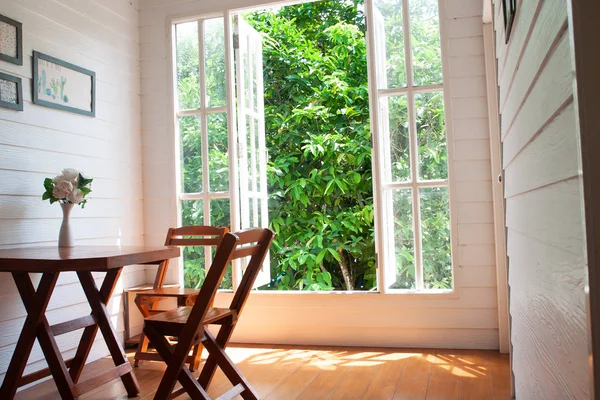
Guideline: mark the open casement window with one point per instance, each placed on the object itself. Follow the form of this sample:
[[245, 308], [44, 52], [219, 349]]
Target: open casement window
[[252, 155], [410, 152], [219, 184]]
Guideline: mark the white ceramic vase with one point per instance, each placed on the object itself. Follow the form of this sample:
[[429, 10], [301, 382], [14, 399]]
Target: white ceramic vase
[[65, 237]]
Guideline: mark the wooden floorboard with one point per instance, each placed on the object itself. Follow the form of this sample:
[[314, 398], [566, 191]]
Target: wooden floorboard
[[331, 373]]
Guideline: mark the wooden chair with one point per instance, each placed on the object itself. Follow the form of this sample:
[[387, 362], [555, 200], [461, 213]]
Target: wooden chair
[[147, 300], [188, 323]]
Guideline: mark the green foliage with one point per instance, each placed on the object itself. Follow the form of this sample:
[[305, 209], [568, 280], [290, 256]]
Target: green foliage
[[317, 127]]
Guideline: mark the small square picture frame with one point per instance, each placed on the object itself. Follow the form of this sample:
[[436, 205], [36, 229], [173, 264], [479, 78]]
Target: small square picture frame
[[509, 9], [18, 105], [17, 38]]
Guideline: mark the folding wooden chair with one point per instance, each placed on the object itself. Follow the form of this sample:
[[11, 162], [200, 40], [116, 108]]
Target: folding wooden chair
[[147, 300], [188, 323]]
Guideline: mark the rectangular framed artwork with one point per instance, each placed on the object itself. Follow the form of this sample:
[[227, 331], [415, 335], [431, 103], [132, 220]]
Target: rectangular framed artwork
[[11, 40], [11, 92], [509, 8], [62, 85]]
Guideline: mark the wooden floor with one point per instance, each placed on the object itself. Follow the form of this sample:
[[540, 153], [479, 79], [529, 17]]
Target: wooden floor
[[334, 373]]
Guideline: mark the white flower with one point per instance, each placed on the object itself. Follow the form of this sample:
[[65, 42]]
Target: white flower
[[62, 188], [75, 196], [70, 174]]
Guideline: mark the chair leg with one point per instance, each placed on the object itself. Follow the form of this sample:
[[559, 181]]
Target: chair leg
[[217, 353], [161, 345], [176, 370], [210, 366], [142, 348], [195, 363]]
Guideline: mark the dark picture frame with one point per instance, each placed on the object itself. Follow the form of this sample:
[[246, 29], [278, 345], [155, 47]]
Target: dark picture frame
[[18, 106], [19, 39], [62, 85], [509, 9]]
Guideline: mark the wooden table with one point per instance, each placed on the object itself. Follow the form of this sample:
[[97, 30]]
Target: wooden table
[[51, 261]]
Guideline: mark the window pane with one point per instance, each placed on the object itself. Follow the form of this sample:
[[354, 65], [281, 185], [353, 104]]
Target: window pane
[[218, 163], [425, 40], [214, 62], [192, 212], [191, 154], [188, 81], [399, 142], [390, 13], [435, 232], [403, 240], [431, 132], [220, 216], [194, 267]]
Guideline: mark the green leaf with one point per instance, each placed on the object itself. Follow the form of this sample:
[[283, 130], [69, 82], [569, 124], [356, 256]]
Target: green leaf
[[48, 184]]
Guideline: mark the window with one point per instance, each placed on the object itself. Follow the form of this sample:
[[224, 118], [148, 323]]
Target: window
[[209, 189], [221, 128], [202, 126], [411, 153]]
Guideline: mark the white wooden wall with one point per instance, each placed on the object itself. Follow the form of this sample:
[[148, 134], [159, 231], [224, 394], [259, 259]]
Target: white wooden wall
[[543, 204], [101, 35], [467, 320]]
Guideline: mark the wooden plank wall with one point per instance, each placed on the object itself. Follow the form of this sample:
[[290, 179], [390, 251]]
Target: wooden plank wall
[[467, 320], [103, 36], [543, 203]]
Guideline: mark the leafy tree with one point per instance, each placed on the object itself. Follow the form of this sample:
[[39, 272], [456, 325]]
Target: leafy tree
[[317, 127]]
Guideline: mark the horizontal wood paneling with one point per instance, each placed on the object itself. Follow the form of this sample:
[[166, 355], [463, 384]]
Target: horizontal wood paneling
[[548, 316], [552, 23], [543, 204], [528, 214], [39, 142], [551, 157], [552, 90], [508, 55]]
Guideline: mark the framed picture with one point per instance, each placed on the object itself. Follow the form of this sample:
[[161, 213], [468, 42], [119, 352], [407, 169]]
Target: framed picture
[[62, 85], [509, 8], [11, 92], [11, 40]]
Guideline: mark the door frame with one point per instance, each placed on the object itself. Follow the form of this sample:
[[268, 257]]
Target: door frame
[[584, 32], [497, 183]]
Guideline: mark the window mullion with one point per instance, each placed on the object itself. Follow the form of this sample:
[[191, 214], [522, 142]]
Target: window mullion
[[414, 146], [199, 111], [203, 122]]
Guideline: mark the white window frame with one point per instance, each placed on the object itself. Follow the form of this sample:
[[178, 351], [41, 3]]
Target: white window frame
[[378, 186], [383, 233], [203, 112]]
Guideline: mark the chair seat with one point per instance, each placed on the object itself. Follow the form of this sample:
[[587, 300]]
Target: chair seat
[[169, 292], [173, 321]]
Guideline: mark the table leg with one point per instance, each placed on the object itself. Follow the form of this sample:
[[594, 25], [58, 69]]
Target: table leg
[[89, 333], [35, 303], [98, 300]]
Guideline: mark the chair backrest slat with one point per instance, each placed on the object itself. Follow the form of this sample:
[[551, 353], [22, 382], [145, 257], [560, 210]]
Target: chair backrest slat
[[201, 236], [212, 241], [245, 251]]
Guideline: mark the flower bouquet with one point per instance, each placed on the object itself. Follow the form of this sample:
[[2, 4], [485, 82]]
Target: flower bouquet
[[68, 188]]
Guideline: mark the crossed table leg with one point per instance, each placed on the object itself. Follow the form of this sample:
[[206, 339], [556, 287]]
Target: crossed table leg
[[36, 325]]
